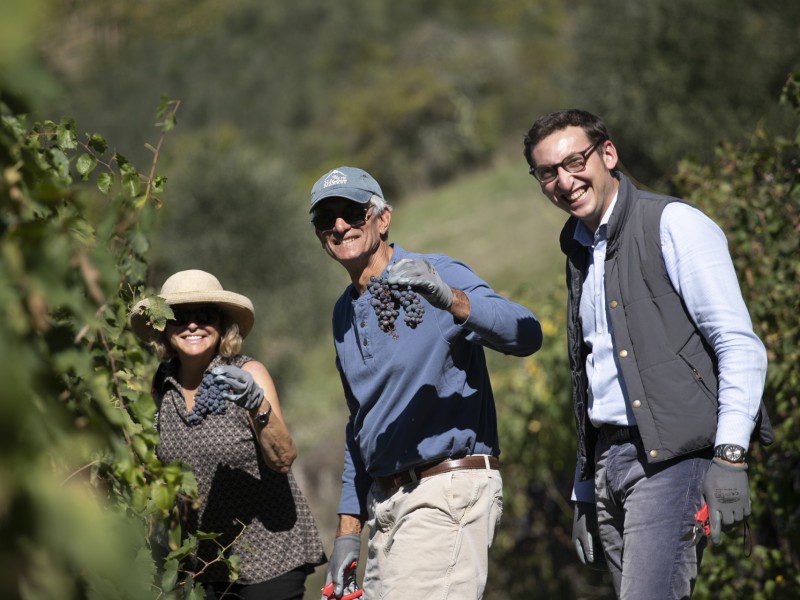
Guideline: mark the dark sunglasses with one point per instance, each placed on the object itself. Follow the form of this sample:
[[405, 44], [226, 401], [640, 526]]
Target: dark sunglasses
[[355, 215], [574, 163], [201, 315]]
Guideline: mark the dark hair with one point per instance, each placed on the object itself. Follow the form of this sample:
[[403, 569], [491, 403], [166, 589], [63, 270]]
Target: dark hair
[[591, 124]]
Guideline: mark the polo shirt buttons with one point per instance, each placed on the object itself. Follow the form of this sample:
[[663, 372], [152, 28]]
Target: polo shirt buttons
[[653, 453], [637, 403], [613, 304], [623, 353]]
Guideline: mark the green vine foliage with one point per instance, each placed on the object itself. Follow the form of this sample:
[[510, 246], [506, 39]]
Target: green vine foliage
[[86, 509], [753, 193]]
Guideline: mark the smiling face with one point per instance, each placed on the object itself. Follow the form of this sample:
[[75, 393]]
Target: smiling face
[[196, 335], [352, 245], [585, 194]]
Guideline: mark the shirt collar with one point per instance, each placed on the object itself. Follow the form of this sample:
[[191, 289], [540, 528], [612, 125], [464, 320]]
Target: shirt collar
[[585, 237]]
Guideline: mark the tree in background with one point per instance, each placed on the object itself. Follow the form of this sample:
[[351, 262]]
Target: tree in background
[[673, 78], [416, 92]]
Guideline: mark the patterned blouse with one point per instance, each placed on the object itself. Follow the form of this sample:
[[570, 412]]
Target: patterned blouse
[[234, 484]]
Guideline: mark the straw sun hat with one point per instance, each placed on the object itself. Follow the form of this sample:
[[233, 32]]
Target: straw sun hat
[[192, 287]]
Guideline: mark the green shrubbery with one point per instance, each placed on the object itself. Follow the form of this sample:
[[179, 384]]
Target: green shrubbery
[[82, 496]]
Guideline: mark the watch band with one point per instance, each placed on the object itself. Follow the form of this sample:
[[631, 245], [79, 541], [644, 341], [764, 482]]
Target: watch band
[[730, 452]]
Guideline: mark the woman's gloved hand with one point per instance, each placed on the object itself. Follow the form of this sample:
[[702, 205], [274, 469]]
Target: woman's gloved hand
[[242, 388]]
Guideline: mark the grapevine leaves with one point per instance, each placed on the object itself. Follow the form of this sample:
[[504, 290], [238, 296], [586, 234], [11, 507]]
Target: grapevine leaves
[[157, 312], [71, 265], [85, 165], [104, 182], [66, 139]]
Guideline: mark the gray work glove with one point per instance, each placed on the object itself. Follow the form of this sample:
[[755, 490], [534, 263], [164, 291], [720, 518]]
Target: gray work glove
[[727, 493], [586, 537], [423, 279], [346, 549], [242, 388]]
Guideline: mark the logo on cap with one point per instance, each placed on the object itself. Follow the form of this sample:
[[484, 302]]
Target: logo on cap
[[335, 177]]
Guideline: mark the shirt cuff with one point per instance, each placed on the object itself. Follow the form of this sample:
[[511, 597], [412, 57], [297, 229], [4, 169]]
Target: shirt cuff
[[734, 428], [349, 504]]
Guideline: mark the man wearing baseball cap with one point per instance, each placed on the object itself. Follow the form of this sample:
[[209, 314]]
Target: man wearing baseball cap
[[421, 466]]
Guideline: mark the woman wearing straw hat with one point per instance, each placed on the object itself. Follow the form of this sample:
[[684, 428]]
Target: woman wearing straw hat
[[218, 412]]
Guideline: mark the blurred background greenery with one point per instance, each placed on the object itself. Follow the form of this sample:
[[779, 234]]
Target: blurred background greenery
[[433, 98]]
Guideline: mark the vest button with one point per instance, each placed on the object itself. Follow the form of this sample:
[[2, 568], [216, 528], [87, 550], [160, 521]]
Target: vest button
[[366, 341], [613, 304], [653, 453], [623, 353], [363, 324], [637, 403]]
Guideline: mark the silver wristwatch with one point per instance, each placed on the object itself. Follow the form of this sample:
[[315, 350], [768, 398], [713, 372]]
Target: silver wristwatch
[[262, 418], [730, 452]]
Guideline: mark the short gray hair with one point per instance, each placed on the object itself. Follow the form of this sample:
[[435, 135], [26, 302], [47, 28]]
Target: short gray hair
[[379, 205]]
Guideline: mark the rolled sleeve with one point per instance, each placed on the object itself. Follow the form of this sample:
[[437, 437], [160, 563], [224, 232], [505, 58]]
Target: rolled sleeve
[[493, 321]]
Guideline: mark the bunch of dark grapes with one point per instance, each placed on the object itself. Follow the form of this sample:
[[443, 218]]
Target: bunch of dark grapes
[[388, 299], [413, 308], [208, 400]]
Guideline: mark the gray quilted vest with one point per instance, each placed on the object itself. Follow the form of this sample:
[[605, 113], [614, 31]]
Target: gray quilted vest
[[670, 371]]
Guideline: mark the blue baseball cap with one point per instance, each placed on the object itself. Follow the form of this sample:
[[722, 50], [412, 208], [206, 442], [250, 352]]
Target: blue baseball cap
[[345, 182]]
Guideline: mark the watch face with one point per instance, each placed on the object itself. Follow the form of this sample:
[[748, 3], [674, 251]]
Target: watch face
[[733, 453], [263, 418], [730, 452]]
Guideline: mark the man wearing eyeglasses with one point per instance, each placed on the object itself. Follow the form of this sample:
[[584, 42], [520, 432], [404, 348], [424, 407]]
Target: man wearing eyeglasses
[[667, 372], [421, 446]]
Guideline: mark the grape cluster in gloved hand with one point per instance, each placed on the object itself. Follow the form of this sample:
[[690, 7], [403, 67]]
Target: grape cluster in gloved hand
[[243, 390], [346, 549], [586, 537], [423, 279], [727, 493]]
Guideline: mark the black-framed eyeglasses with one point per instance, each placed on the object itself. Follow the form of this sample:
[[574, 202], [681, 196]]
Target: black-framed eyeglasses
[[202, 314], [574, 163], [355, 215]]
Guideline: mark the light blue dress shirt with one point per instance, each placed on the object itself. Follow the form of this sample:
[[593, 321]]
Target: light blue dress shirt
[[700, 269]]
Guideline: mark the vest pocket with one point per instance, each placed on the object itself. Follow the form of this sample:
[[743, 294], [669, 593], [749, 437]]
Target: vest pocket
[[699, 379]]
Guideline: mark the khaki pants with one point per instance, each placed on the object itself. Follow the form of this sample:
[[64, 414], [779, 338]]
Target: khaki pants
[[430, 540]]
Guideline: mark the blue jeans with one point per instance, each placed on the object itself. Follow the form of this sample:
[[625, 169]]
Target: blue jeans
[[645, 513]]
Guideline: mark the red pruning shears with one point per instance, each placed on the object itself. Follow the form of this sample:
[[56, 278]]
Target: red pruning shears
[[701, 525], [327, 591]]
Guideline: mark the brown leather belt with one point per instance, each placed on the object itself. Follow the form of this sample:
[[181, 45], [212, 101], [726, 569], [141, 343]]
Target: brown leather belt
[[391, 482]]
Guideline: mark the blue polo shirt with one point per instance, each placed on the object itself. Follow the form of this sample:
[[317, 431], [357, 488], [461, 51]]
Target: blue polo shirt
[[425, 394]]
